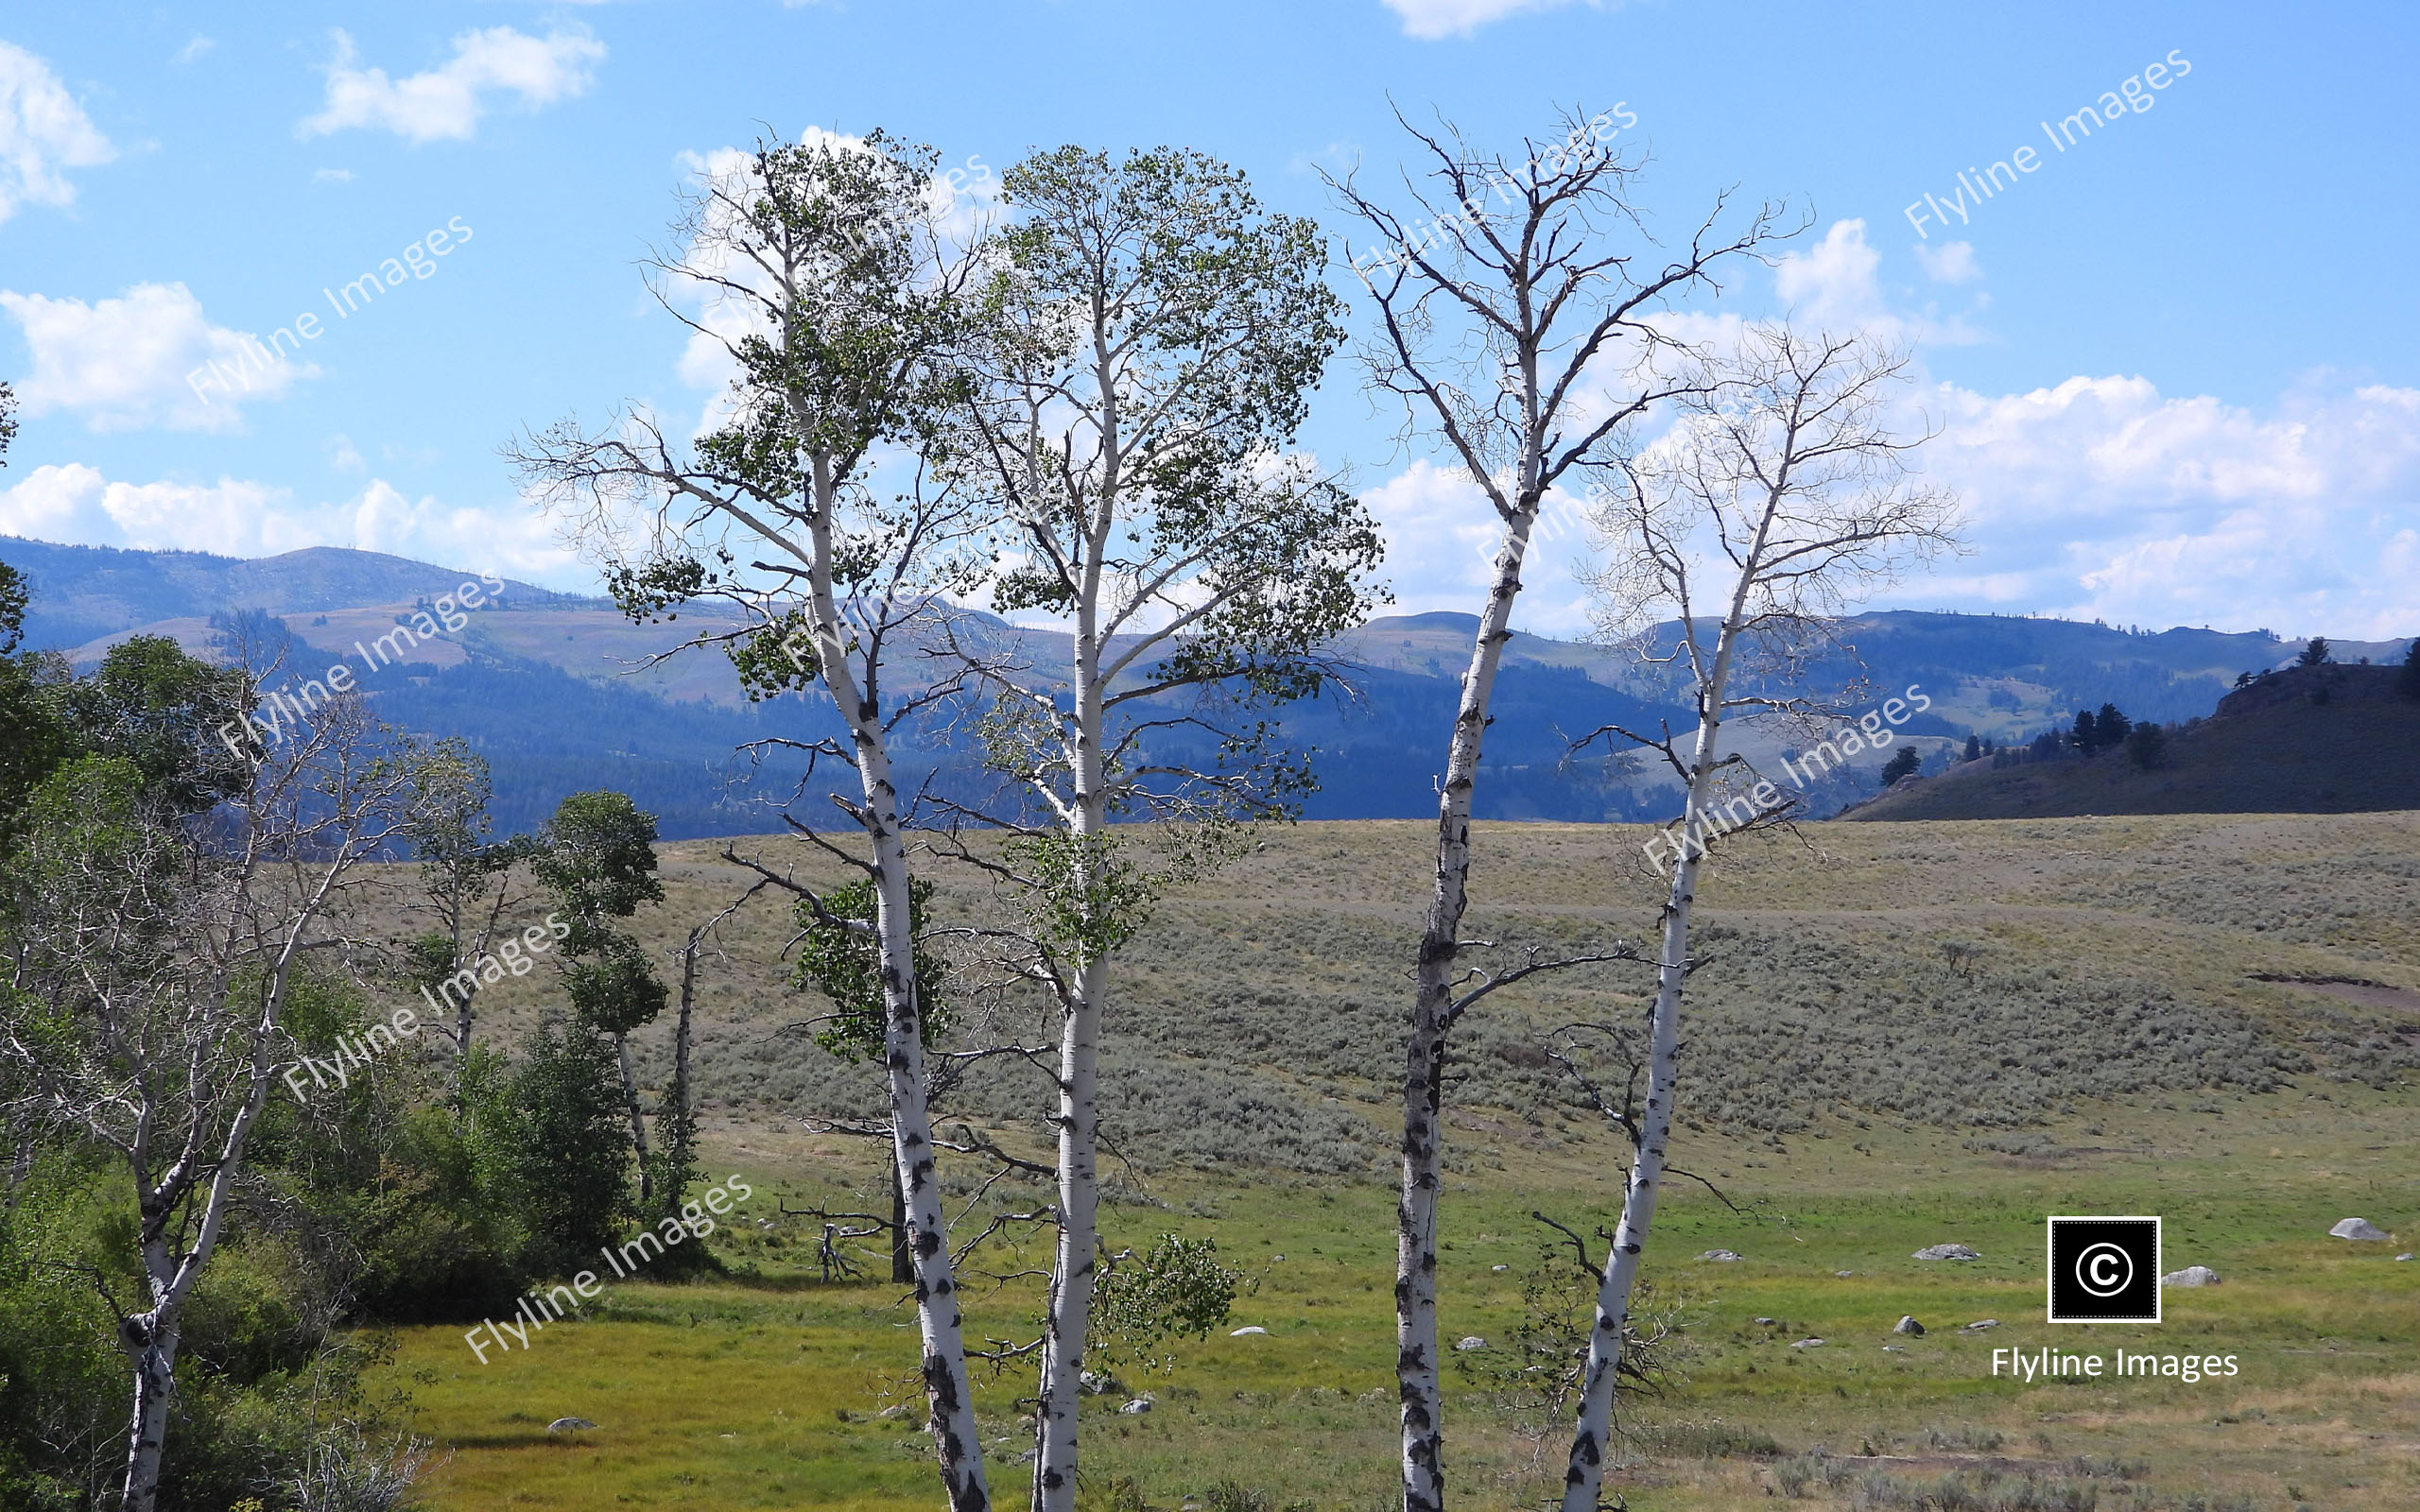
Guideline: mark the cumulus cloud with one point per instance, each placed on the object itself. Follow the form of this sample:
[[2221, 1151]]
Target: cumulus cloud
[[2103, 498], [145, 359], [237, 517], [446, 102], [1835, 285], [42, 132], [1430, 20]]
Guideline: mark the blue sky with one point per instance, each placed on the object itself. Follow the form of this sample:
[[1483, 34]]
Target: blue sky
[[2174, 366]]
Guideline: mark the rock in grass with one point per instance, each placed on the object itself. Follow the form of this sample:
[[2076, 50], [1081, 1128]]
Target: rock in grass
[[1470, 1342], [1908, 1325], [1808, 1344], [2361, 1230], [1979, 1325], [2191, 1276], [1096, 1383], [1725, 1255], [568, 1425], [1947, 1252], [1240, 1332], [1140, 1404], [2405, 1255]]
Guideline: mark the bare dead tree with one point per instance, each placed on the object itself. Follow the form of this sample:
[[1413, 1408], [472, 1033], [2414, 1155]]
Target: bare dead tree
[[154, 950], [1783, 493], [1517, 332]]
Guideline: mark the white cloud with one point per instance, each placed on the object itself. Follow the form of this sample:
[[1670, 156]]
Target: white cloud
[[2101, 498], [1833, 286], [41, 130], [331, 176], [1430, 20], [195, 49], [145, 359], [236, 517], [1951, 263], [447, 101]]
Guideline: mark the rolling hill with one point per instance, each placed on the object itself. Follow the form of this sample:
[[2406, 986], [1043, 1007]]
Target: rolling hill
[[2319, 740], [536, 675]]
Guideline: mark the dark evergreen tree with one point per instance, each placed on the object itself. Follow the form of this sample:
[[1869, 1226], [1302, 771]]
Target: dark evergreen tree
[[1903, 764], [2407, 682], [2317, 654], [2148, 746], [561, 1124], [599, 860], [2086, 738], [2110, 728], [1974, 747]]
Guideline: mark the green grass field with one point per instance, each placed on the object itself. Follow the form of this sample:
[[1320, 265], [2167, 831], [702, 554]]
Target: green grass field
[[1857, 1089]]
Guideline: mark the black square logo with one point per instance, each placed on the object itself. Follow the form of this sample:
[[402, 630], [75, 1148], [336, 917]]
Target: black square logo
[[2104, 1270]]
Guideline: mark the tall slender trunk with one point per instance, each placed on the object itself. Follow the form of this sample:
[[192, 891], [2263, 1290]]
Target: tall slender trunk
[[149, 1340], [1061, 1389], [638, 1121], [949, 1395], [1071, 1273], [1416, 1360], [1592, 1433], [676, 1117]]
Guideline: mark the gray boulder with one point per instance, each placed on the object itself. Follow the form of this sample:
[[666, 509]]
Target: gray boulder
[[1979, 1325], [2361, 1230], [2191, 1276], [1947, 1252], [2405, 1255], [1140, 1404], [1808, 1344], [1908, 1325], [568, 1425], [1470, 1342], [1238, 1334], [1725, 1255]]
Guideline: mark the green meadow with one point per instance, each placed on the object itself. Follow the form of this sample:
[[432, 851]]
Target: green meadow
[[1910, 1034]]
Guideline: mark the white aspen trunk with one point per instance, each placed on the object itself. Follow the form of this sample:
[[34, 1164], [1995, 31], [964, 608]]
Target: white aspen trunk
[[150, 1338], [151, 1343], [1592, 1433], [949, 1395], [638, 1122], [1061, 1389], [1416, 1359]]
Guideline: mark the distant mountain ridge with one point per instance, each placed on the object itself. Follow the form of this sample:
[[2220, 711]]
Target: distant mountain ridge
[[546, 684], [81, 593]]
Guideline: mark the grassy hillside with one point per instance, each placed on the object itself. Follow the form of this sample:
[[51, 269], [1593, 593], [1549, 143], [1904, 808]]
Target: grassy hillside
[[1907, 1033], [2272, 749]]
